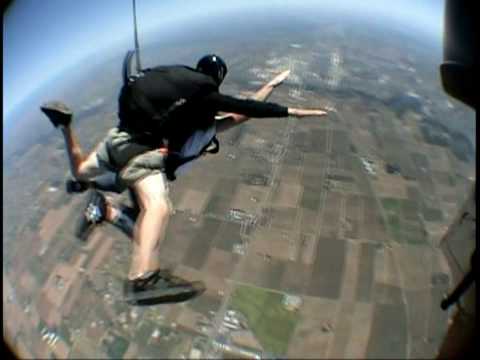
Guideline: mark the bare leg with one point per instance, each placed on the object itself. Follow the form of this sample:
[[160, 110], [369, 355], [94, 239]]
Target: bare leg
[[82, 168], [261, 95], [87, 169], [151, 224], [75, 154], [266, 90]]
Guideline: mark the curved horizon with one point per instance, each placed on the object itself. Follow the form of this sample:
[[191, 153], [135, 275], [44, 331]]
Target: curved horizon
[[31, 56]]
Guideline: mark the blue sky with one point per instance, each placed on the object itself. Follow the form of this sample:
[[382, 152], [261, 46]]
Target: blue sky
[[44, 37]]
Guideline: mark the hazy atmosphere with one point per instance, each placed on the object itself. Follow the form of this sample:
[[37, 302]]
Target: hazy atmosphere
[[43, 38]]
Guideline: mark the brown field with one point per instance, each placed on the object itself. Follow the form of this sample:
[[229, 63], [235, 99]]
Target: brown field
[[22, 350], [93, 240], [289, 174], [328, 269], [284, 218], [286, 195], [308, 221], [178, 239], [369, 226], [353, 211], [438, 157], [11, 324], [26, 282], [389, 185], [101, 253], [416, 265], [192, 200], [308, 340], [295, 278], [360, 326], [262, 272], [307, 245], [80, 260], [213, 283], [51, 223], [248, 198], [219, 263], [273, 243], [315, 162], [61, 349], [47, 310], [41, 348], [250, 140], [131, 351], [246, 338], [342, 330], [386, 267], [188, 319], [331, 214], [350, 277], [56, 294], [443, 179], [364, 140], [75, 291], [55, 218]]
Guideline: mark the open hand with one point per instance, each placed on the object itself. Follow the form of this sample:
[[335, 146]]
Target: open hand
[[277, 80]]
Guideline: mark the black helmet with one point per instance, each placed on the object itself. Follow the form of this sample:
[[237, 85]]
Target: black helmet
[[214, 66]]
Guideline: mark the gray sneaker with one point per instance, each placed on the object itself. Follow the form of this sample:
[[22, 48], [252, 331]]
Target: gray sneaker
[[160, 287]]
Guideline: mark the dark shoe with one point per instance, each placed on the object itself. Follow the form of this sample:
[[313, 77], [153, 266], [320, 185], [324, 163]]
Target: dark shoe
[[58, 113], [94, 214], [161, 287], [75, 186]]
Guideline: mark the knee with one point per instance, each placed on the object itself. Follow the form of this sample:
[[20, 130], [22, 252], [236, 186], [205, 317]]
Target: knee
[[81, 173], [86, 170], [152, 195]]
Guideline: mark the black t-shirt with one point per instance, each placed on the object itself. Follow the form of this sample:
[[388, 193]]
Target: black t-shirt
[[250, 108]]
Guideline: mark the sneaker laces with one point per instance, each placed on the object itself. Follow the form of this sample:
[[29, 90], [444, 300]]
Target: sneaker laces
[[175, 280], [93, 213], [148, 281], [162, 275]]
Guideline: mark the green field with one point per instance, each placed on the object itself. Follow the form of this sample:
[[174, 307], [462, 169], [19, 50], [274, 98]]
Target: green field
[[403, 228], [392, 205], [271, 323]]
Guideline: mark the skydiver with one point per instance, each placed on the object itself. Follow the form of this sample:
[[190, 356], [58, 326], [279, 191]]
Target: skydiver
[[144, 156]]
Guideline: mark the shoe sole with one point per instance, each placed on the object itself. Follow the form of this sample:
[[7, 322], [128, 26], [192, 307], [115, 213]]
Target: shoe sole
[[53, 108], [76, 187], [172, 295]]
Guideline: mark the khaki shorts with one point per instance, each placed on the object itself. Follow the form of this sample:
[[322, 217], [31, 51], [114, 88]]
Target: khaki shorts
[[118, 152]]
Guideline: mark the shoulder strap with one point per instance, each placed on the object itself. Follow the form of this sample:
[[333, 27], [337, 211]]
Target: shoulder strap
[[127, 66], [212, 147]]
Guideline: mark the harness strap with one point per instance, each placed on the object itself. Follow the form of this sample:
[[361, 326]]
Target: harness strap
[[174, 160], [213, 150], [112, 164]]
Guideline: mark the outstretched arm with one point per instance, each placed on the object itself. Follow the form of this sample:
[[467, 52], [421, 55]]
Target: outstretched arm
[[233, 119]]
